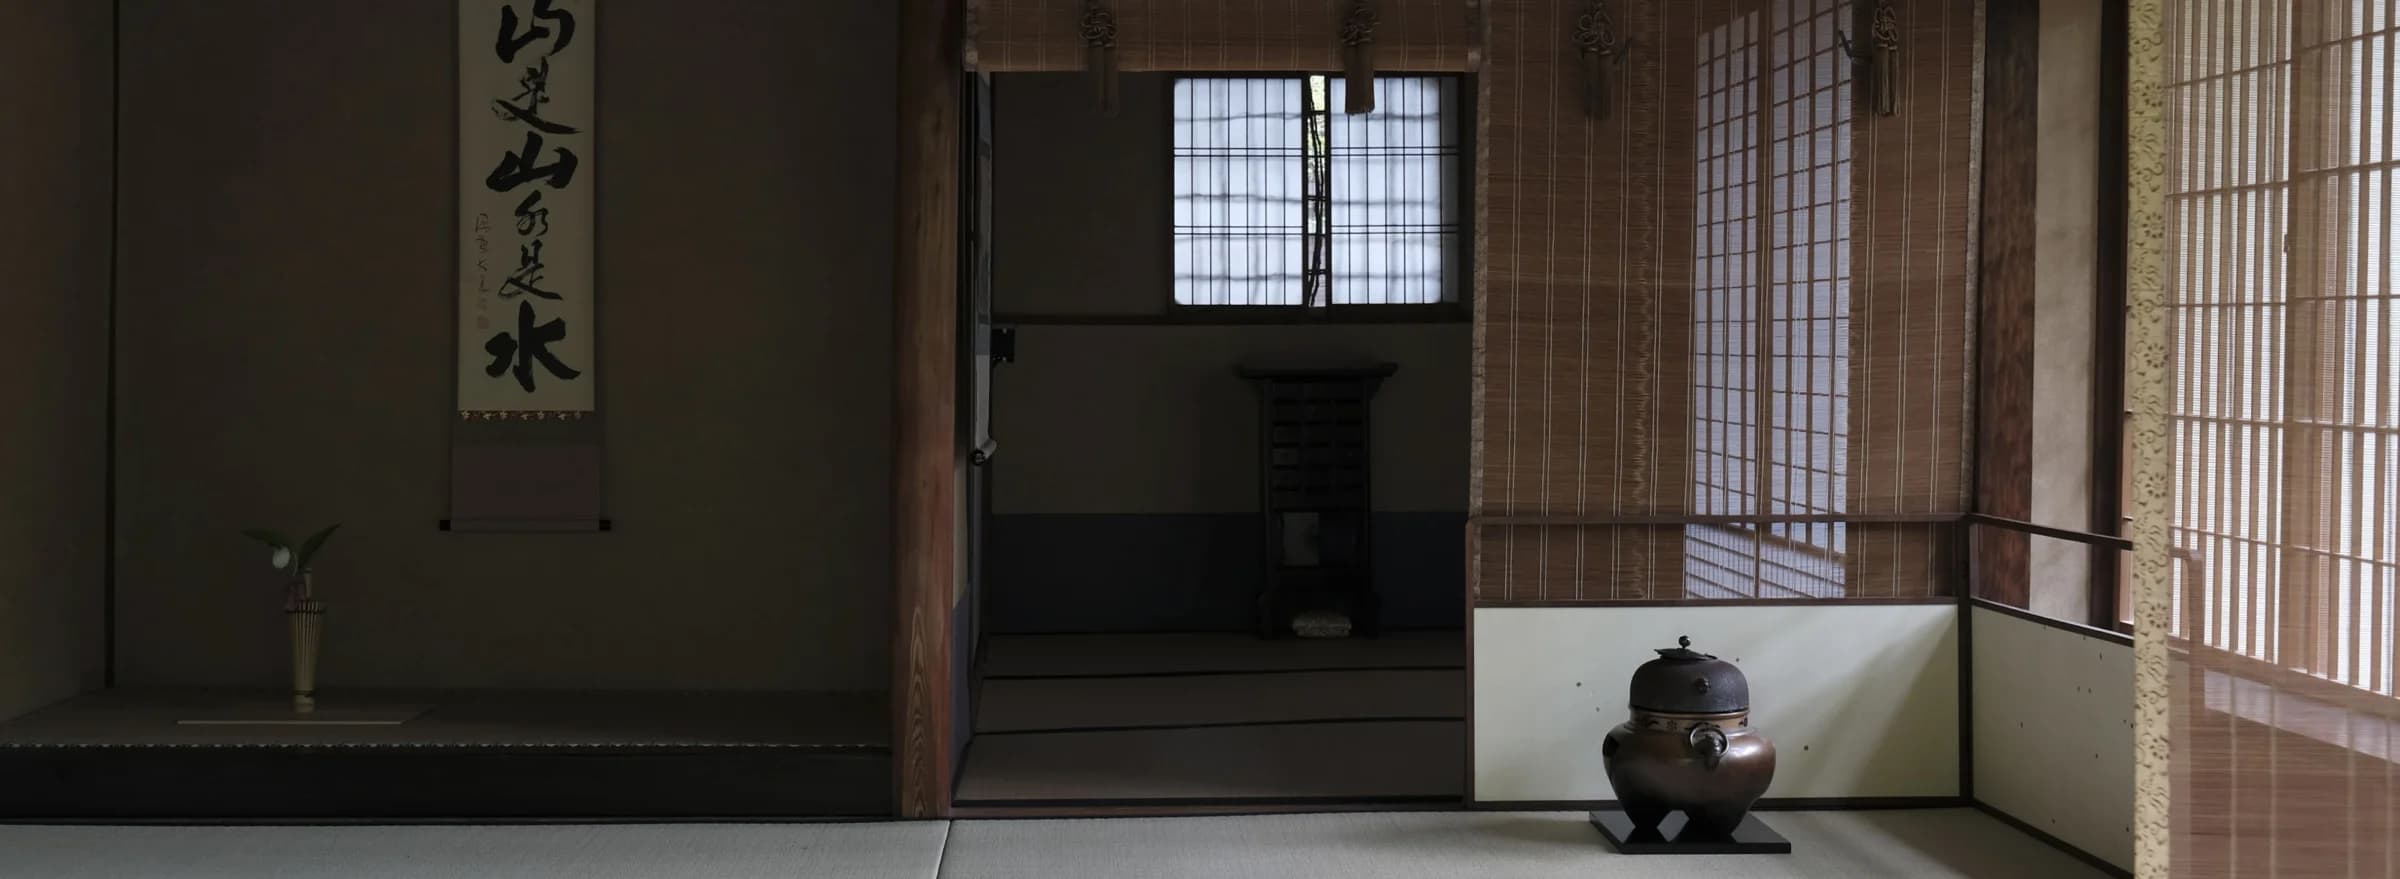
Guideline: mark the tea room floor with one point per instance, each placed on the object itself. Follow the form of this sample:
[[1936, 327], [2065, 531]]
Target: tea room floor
[[1925, 844]]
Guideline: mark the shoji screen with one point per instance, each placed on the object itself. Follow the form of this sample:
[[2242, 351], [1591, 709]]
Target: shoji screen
[[1723, 333], [2279, 248]]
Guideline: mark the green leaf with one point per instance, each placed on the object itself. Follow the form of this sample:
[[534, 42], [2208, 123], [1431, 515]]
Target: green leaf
[[267, 537], [309, 550]]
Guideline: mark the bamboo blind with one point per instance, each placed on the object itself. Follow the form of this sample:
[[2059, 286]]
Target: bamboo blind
[[1019, 36], [2279, 203], [1737, 295], [2286, 433]]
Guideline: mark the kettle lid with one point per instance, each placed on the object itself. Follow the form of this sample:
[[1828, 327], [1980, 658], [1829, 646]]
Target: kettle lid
[[1686, 681], [1682, 650]]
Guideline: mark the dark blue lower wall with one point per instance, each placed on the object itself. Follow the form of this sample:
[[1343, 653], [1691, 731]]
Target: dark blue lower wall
[[1108, 572]]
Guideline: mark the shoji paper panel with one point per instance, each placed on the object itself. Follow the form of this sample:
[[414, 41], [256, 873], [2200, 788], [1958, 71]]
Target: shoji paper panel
[[1860, 700]]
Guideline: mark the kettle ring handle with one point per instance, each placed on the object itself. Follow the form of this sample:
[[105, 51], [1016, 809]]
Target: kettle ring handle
[[1709, 739]]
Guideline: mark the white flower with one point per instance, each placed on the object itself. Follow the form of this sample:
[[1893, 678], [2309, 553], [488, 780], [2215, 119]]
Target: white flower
[[282, 558]]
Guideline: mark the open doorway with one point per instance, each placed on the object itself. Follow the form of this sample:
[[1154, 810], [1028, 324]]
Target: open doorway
[[1222, 554]]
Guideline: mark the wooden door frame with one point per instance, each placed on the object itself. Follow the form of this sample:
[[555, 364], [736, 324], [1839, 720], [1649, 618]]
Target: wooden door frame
[[926, 454]]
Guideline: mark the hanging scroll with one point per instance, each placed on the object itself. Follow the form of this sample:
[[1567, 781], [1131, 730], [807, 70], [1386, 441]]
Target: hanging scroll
[[526, 453], [525, 206]]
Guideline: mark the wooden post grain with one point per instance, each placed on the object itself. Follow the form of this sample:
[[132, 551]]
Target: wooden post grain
[[925, 445]]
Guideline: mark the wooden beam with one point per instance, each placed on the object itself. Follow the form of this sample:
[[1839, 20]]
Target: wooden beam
[[925, 460]]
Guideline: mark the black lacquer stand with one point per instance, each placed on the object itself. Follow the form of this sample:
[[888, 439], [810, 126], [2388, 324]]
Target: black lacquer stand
[[1753, 837]]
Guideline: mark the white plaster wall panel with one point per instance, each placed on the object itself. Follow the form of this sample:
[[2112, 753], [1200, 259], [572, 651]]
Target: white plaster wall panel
[[2053, 721], [1861, 700], [2065, 258]]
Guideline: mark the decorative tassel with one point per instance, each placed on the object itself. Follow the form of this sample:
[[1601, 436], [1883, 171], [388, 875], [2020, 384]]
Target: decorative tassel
[[1358, 58], [969, 29], [1879, 64], [1100, 54], [1886, 59], [1597, 46], [1480, 35]]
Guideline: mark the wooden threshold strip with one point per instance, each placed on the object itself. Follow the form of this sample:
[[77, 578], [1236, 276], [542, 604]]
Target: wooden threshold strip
[[1226, 724], [1206, 672], [1189, 808]]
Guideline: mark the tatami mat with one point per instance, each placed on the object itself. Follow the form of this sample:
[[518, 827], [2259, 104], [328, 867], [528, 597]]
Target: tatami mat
[[1358, 761], [1054, 655], [1057, 703], [1939, 844], [863, 851], [471, 717]]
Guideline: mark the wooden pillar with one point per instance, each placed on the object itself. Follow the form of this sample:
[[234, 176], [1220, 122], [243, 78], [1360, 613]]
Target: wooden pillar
[[925, 458], [2004, 385]]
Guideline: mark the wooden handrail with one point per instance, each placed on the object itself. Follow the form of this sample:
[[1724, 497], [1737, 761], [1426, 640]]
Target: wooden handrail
[[2023, 527], [1694, 519]]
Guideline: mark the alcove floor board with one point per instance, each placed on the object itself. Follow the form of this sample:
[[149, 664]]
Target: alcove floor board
[[460, 718], [1011, 656], [1019, 705], [1358, 762], [1217, 719]]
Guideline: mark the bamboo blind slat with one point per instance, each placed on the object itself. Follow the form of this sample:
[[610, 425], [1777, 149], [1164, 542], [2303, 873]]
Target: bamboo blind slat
[[1020, 36], [1595, 348], [1911, 326], [1585, 364]]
